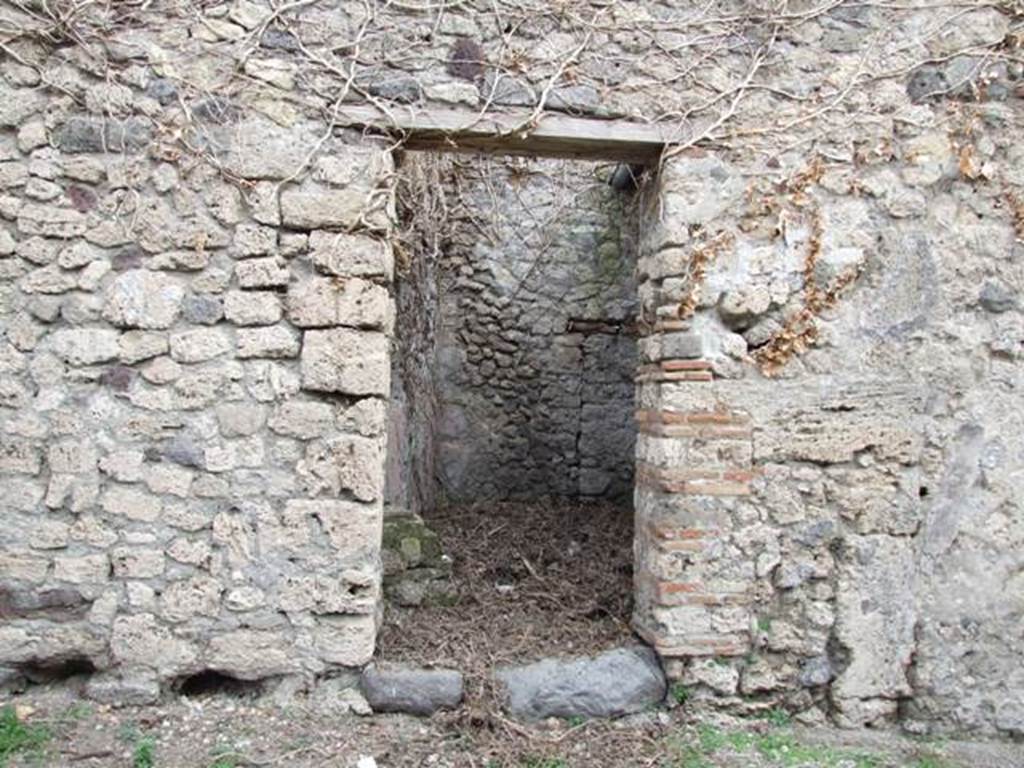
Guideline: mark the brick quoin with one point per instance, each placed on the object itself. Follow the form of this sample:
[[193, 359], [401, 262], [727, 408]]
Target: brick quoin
[[680, 547]]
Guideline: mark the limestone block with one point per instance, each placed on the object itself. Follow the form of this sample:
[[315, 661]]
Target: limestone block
[[311, 206], [132, 690], [277, 72], [698, 190], [367, 417], [82, 569], [249, 654], [268, 272], [198, 596], [268, 382], [353, 529], [244, 599], [84, 346], [137, 562], [352, 592], [163, 370], [252, 307], [198, 345], [350, 463], [325, 302], [130, 503], [254, 240], [875, 619], [23, 566], [50, 221], [18, 104], [13, 174], [345, 640], [239, 419], [140, 298], [71, 456], [136, 346], [346, 361], [140, 641], [261, 149], [271, 341], [48, 280], [167, 478], [346, 255], [362, 166], [302, 419], [21, 456], [189, 551]]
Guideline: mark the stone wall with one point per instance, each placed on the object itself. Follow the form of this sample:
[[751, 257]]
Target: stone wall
[[195, 366], [824, 463], [533, 310], [830, 373]]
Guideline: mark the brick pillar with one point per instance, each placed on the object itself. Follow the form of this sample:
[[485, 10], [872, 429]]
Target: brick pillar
[[694, 448]]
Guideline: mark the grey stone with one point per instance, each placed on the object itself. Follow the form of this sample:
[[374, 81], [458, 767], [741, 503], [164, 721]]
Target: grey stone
[[117, 691], [618, 682], [574, 98], [163, 90], [140, 298], [346, 255], [506, 91], [816, 671], [410, 690], [88, 134], [997, 298], [185, 451], [681, 345], [405, 90], [202, 309], [279, 39]]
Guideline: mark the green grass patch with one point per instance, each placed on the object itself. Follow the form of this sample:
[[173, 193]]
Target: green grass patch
[[778, 747], [18, 737], [144, 754], [680, 693], [544, 762], [778, 717]]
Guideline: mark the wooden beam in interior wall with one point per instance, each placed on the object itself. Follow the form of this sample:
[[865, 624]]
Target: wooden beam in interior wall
[[555, 135]]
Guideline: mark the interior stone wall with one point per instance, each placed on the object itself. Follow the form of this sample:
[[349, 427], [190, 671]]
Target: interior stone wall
[[526, 331], [536, 349]]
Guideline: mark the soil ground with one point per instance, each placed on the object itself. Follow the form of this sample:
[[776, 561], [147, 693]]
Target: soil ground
[[529, 581], [220, 732]]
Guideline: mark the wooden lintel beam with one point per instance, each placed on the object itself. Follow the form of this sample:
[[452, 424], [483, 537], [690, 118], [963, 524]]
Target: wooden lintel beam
[[554, 135]]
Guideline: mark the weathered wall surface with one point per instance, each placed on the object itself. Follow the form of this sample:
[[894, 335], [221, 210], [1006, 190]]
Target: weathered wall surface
[[828, 432], [194, 375], [535, 348], [848, 527]]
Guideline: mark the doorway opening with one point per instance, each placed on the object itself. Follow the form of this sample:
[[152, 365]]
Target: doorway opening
[[510, 471]]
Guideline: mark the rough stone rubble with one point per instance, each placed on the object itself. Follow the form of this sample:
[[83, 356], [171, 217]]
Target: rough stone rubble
[[195, 277]]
